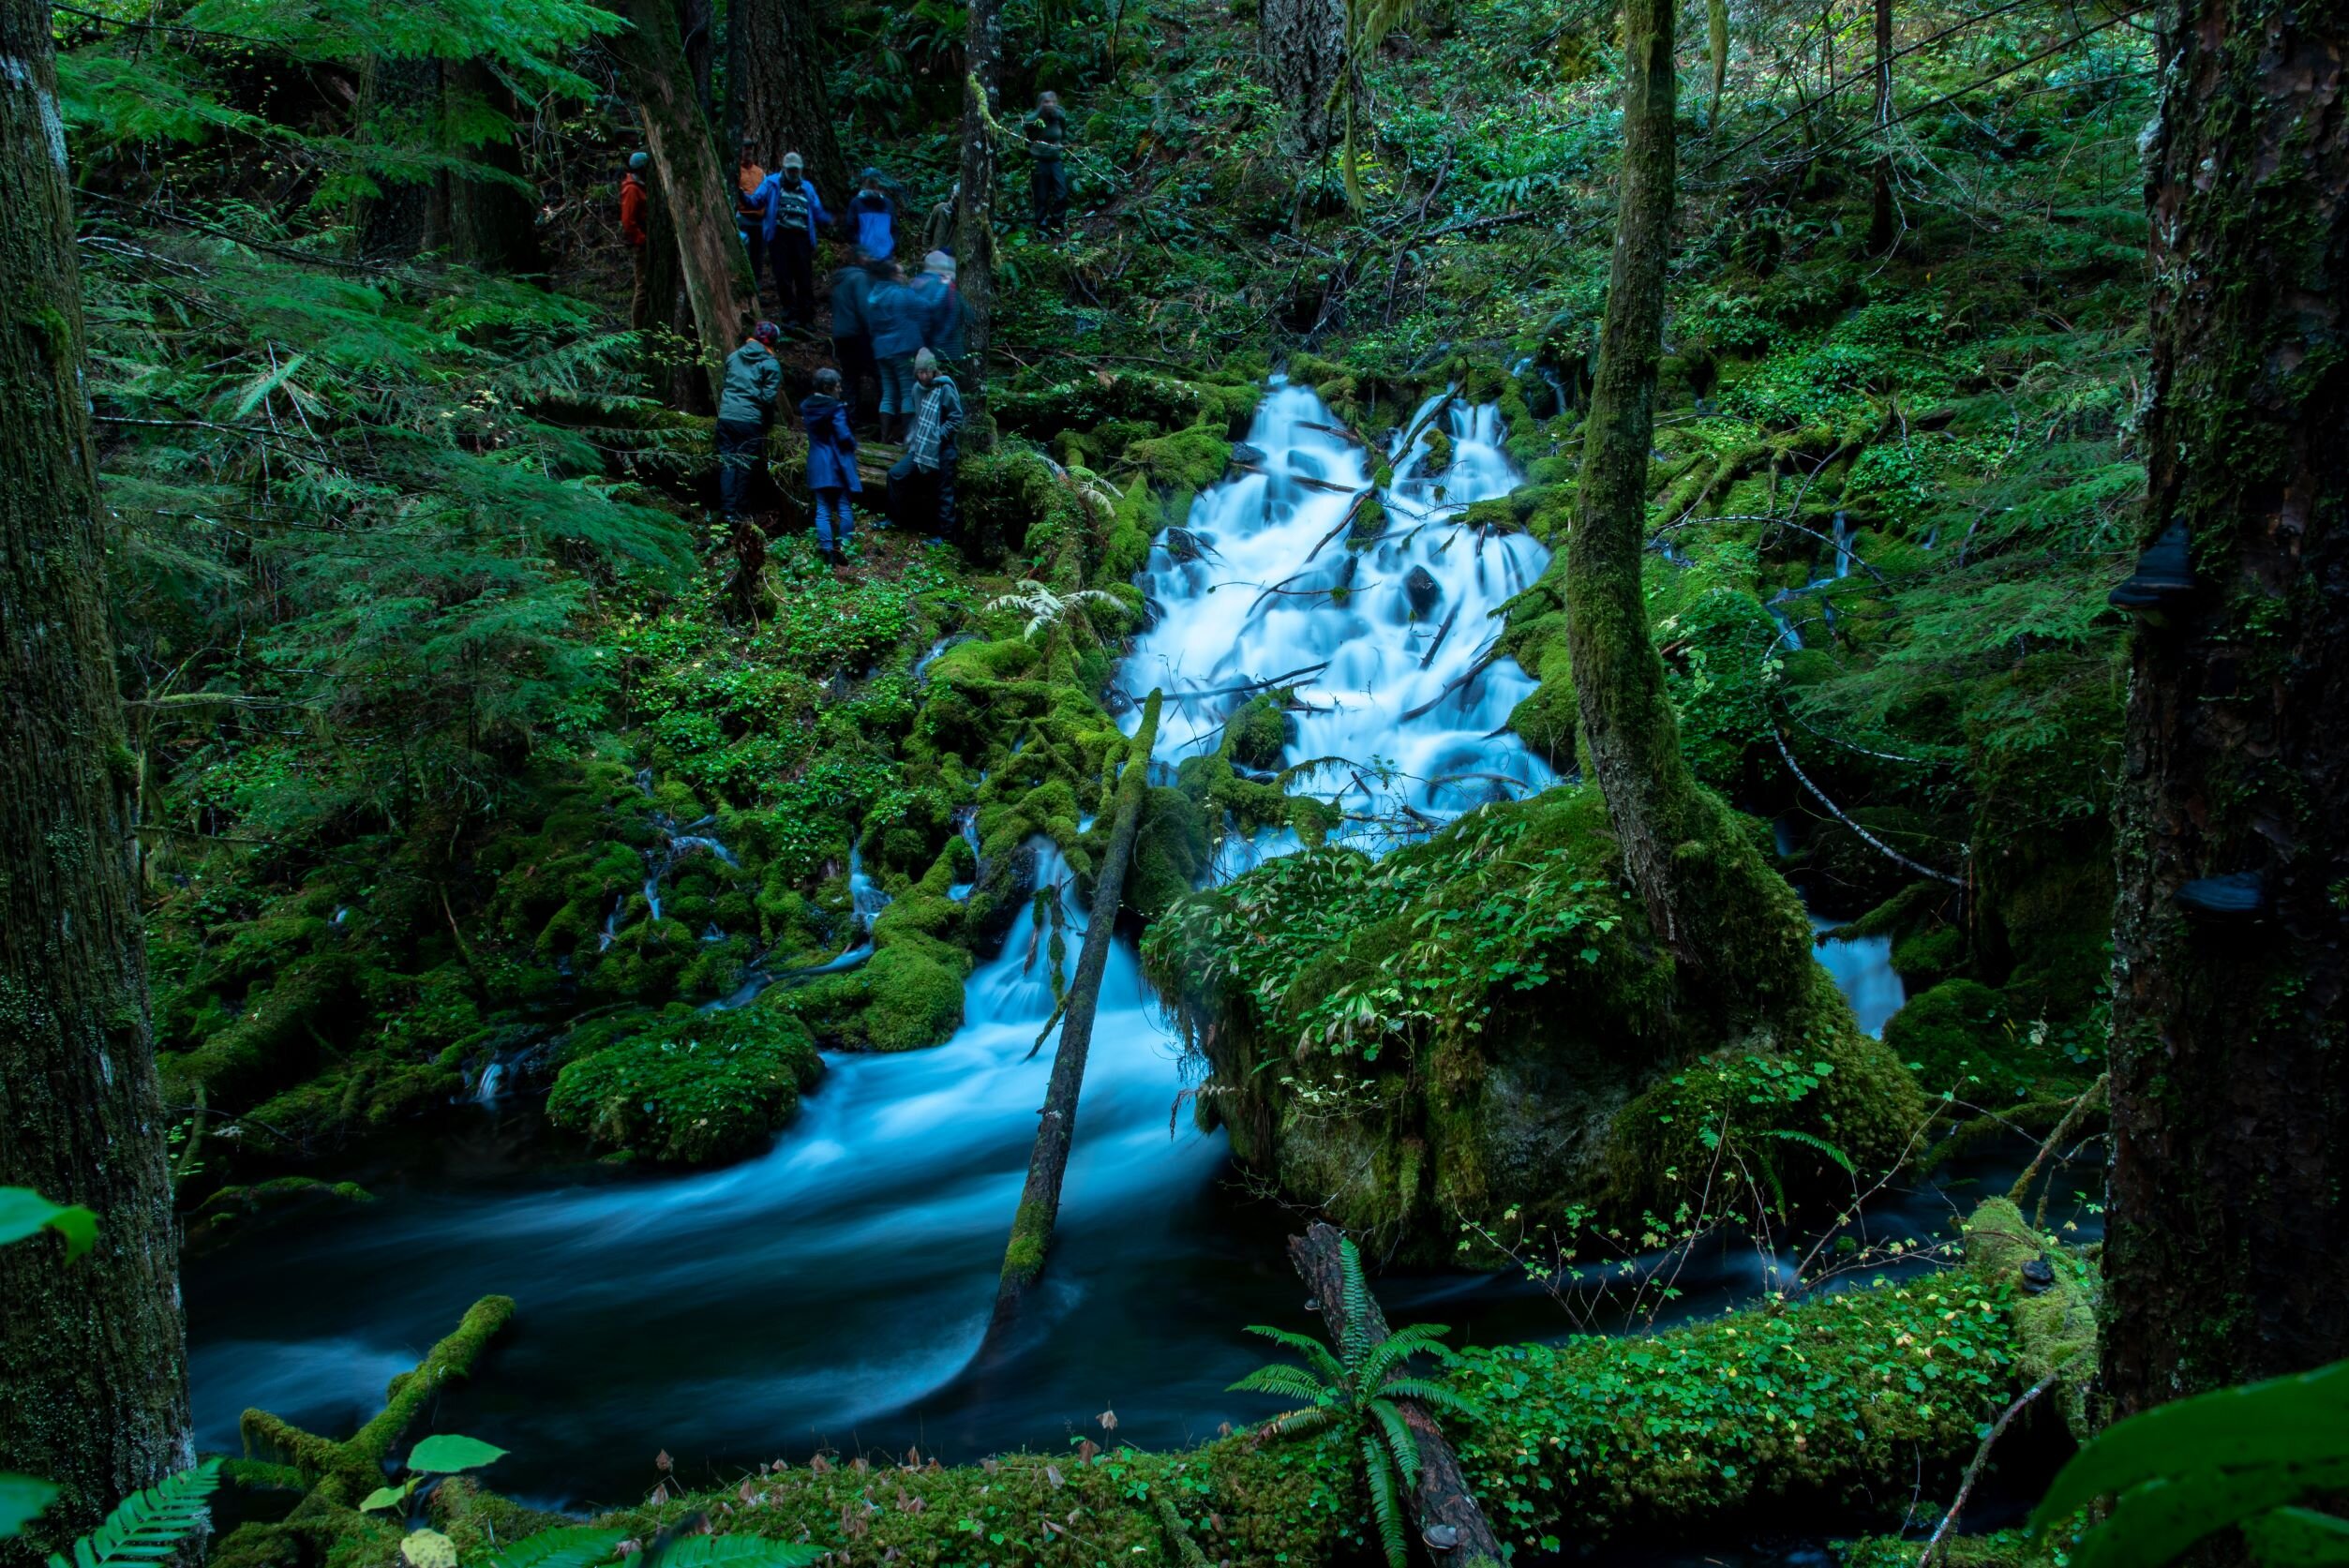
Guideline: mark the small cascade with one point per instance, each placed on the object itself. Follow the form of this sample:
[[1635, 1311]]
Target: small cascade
[[1844, 533], [1788, 636], [1390, 645], [1862, 967], [491, 1086], [865, 899], [966, 823]]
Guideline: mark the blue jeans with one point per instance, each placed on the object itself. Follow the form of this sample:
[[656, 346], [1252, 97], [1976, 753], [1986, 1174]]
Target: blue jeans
[[834, 521], [897, 385], [740, 444]]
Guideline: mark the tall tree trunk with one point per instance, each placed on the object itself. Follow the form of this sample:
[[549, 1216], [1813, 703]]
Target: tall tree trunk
[[1304, 43], [2228, 1249], [399, 102], [1717, 50], [492, 225], [698, 195], [1056, 1131], [1709, 896], [93, 1367], [775, 92], [1882, 225], [975, 237]]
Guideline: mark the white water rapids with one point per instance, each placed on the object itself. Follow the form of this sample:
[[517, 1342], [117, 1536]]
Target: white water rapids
[[837, 1287]]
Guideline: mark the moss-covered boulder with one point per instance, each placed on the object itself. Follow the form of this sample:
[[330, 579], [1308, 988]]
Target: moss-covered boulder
[[686, 1087]]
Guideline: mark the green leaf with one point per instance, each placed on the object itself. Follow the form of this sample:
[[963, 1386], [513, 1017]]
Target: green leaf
[[2298, 1538], [2155, 1522], [387, 1497], [565, 1547], [24, 1212], [21, 1499], [739, 1551], [446, 1453]]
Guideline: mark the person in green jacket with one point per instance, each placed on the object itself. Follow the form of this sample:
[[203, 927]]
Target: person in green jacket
[[746, 411], [1048, 141]]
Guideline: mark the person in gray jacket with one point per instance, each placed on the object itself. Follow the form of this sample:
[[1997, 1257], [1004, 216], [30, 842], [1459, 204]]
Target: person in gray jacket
[[746, 411]]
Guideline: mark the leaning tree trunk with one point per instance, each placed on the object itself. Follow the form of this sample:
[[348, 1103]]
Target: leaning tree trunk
[[2228, 1249], [493, 224], [974, 236], [1442, 1499], [1055, 1130], [699, 195], [776, 94], [1304, 44], [92, 1371], [1708, 894]]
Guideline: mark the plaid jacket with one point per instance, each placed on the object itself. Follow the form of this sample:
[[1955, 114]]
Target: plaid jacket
[[937, 415]]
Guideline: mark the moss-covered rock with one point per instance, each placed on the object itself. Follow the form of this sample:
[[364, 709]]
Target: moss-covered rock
[[686, 1087]]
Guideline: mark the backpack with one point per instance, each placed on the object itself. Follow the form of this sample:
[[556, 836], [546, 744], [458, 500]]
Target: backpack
[[791, 205]]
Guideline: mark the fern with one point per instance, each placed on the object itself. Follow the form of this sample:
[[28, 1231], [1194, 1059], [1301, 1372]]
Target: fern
[[1817, 1145], [149, 1525]]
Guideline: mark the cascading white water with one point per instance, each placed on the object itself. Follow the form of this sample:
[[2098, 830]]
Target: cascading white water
[[1390, 647], [839, 1285]]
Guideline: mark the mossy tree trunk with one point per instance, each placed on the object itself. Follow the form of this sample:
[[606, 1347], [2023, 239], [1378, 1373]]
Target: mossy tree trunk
[[93, 1369], [974, 236], [697, 194], [775, 92], [493, 224], [1882, 225], [1304, 44], [1048, 1162], [1724, 914], [2228, 1256]]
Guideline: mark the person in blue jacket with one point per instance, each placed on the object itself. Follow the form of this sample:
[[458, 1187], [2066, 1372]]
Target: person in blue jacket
[[873, 218], [832, 463], [791, 213], [941, 308], [894, 316]]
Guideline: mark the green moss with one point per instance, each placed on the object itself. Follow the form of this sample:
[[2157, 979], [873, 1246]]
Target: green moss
[[2056, 1327], [686, 1087], [1959, 1035]]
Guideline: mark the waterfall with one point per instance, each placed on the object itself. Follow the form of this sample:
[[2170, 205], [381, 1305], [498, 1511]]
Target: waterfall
[[1401, 694]]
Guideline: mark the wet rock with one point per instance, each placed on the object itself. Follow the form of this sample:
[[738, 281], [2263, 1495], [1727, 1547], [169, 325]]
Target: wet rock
[[1421, 588]]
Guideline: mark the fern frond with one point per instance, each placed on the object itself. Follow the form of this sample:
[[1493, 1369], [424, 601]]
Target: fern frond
[[1402, 1443], [1435, 1395], [148, 1525], [1385, 1506], [739, 1551], [565, 1547], [1324, 1366], [1287, 1383]]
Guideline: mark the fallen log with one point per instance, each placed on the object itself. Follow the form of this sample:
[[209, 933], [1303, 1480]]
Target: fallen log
[[1047, 1162], [1450, 1521]]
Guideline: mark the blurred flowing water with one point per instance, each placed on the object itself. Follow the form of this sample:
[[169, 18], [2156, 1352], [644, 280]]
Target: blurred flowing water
[[835, 1289]]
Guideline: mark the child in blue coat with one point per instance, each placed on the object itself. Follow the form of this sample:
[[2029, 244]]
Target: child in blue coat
[[832, 463]]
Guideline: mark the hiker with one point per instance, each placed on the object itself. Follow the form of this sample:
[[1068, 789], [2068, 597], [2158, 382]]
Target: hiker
[[792, 210], [750, 218], [1048, 141], [872, 217], [940, 307], [922, 482], [894, 316], [852, 332], [832, 463], [939, 233], [746, 411], [635, 202]]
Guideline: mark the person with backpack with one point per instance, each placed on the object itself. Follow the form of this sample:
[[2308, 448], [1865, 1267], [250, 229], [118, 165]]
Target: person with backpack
[[1048, 143], [792, 211], [746, 412], [750, 215], [832, 463], [852, 332], [872, 217], [895, 315], [635, 209]]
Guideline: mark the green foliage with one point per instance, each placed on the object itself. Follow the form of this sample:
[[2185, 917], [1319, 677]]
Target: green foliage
[[21, 1499], [686, 1087], [149, 1525], [1353, 1392], [24, 1212], [2252, 1457], [446, 1453]]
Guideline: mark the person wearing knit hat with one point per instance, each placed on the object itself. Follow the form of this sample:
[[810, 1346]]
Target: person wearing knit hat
[[633, 204], [939, 308], [793, 212], [922, 482]]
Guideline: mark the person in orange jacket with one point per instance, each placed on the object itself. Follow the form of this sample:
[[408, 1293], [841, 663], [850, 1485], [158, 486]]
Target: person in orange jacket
[[634, 199]]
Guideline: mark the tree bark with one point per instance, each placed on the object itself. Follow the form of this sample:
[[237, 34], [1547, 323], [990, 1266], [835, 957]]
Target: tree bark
[[1047, 1162], [2228, 1249], [1709, 896], [93, 1368], [698, 195], [400, 100], [975, 238], [492, 225], [1304, 44], [1882, 225], [1443, 1496], [776, 96]]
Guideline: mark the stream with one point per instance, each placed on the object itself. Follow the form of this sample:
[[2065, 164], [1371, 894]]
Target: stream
[[835, 1289]]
